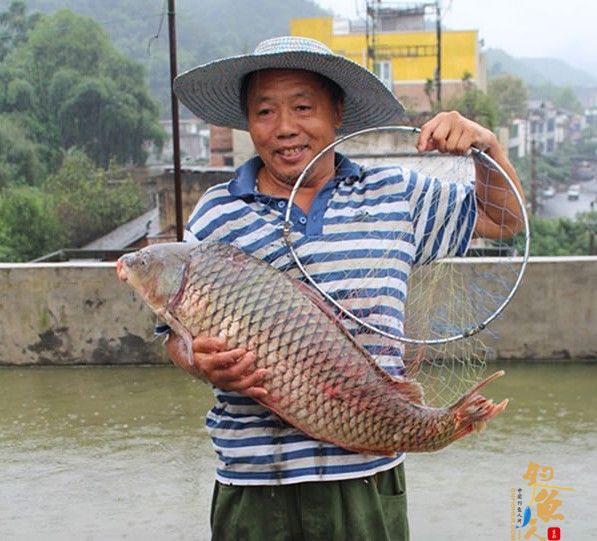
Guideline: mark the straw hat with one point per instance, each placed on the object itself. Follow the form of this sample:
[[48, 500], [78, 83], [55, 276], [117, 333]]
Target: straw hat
[[212, 91]]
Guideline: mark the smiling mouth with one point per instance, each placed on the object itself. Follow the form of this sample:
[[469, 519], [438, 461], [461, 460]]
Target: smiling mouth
[[291, 152]]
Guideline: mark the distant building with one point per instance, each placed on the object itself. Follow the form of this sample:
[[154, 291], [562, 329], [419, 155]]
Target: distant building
[[590, 117], [159, 223], [405, 52], [544, 125], [195, 180], [194, 140]]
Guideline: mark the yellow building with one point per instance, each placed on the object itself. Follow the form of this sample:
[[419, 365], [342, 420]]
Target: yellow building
[[405, 54]]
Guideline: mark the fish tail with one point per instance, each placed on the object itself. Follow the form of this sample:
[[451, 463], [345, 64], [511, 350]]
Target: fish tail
[[473, 410]]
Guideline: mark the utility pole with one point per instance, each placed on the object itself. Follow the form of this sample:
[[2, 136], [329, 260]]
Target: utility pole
[[372, 13], [533, 177], [438, 70], [175, 130], [592, 225]]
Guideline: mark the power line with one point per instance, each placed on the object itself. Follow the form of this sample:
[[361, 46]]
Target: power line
[[107, 23], [157, 35]]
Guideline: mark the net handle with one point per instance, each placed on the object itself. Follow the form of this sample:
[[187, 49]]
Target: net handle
[[482, 156]]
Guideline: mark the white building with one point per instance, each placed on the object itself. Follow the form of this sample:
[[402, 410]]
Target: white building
[[544, 125]]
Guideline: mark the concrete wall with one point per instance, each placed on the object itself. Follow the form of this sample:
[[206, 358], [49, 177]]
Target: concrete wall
[[554, 313], [67, 313], [72, 313]]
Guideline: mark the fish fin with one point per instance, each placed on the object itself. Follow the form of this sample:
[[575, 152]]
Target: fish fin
[[472, 411], [473, 391], [409, 389], [181, 331]]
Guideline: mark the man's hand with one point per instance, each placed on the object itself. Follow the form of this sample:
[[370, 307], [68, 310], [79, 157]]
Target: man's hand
[[499, 214], [451, 132], [230, 370]]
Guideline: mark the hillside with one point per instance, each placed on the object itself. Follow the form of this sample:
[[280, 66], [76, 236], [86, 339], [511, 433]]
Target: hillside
[[537, 71], [205, 29]]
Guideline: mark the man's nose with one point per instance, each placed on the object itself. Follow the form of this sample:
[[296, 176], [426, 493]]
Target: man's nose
[[287, 126]]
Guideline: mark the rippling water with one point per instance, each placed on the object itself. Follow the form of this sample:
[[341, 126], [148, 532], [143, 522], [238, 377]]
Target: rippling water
[[120, 452]]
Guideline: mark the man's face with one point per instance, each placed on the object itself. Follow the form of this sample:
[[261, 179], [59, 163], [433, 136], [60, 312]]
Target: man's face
[[291, 117]]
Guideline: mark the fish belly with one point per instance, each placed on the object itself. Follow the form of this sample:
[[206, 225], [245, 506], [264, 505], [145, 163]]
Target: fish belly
[[319, 379]]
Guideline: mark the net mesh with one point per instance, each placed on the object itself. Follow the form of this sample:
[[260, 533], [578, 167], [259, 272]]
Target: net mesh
[[397, 253]]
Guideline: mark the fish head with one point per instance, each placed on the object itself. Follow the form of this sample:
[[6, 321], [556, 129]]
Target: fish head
[[157, 272]]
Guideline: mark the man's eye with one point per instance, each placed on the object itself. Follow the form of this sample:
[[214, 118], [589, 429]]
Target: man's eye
[[303, 107], [263, 112]]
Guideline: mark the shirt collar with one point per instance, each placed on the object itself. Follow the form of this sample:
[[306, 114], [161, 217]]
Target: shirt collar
[[243, 184]]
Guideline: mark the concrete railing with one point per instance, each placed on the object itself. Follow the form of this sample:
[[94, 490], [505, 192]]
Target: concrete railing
[[79, 313]]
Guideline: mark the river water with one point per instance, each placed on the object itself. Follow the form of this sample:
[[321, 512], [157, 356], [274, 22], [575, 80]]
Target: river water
[[121, 453]]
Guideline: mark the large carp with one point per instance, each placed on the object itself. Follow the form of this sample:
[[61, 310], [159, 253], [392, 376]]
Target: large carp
[[319, 379]]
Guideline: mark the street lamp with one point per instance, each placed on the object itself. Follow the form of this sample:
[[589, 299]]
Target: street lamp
[[531, 138], [533, 177]]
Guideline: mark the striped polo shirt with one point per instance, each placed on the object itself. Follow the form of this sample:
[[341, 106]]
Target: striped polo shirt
[[382, 218]]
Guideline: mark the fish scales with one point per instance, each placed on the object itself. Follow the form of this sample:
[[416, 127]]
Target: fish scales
[[319, 379]]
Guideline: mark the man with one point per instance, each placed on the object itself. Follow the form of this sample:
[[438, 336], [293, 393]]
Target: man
[[294, 96]]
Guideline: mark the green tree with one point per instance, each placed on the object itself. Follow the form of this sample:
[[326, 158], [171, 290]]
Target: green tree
[[563, 97], [29, 227], [510, 95], [19, 157], [90, 201], [244, 27], [84, 93], [474, 104], [428, 89], [14, 25], [587, 144], [560, 237]]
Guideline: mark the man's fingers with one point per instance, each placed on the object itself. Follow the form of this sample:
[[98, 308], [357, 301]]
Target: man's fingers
[[449, 132], [236, 368], [208, 344], [250, 384], [232, 370], [220, 360], [425, 141]]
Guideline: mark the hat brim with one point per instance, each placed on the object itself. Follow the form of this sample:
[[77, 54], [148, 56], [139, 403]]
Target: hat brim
[[212, 91]]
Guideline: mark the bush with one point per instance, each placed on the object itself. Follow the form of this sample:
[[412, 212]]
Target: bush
[[29, 227], [88, 201]]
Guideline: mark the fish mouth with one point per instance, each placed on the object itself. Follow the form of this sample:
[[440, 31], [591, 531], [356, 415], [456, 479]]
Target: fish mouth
[[121, 270]]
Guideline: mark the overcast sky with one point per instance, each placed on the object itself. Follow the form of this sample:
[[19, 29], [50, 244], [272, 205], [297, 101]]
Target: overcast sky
[[533, 28]]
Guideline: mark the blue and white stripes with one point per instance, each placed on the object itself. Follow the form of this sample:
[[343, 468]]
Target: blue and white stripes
[[363, 233]]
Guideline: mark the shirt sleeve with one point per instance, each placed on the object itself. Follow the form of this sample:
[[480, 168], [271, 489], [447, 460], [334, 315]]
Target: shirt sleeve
[[161, 329], [444, 216]]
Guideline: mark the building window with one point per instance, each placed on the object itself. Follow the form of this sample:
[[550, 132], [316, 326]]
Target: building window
[[550, 146], [383, 69]]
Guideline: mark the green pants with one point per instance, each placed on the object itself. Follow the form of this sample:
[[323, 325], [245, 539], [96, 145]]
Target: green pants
[[367, 509]]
